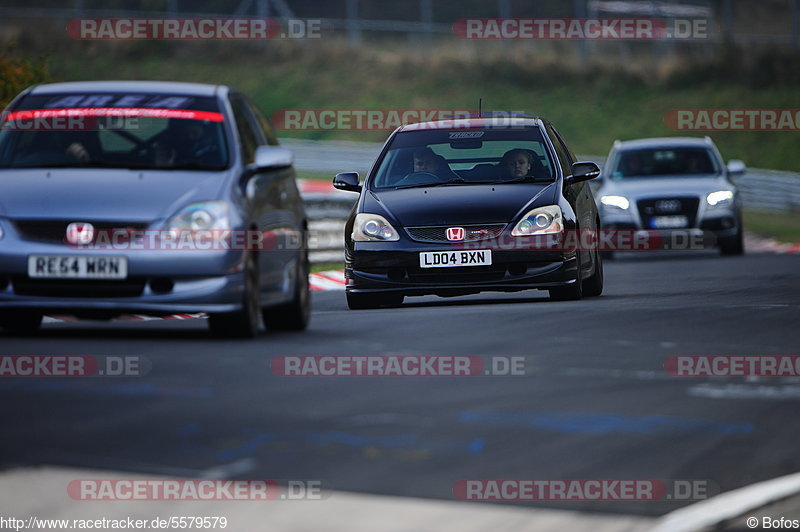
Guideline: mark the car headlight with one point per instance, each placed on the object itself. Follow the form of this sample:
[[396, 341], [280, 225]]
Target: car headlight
[[615, 202], [2, 234], [720, 198], [373, 228], [208, 215], [540, 221]]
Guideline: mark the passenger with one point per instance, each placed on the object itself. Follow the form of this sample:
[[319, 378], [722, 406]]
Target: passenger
[[517, 163]]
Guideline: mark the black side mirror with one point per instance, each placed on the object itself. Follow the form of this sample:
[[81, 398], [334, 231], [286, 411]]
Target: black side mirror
[[584, 171], [347, 181]]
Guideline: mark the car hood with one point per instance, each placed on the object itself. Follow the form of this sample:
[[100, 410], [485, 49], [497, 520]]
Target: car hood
[[458, 204], [660, 186], [102, 194]]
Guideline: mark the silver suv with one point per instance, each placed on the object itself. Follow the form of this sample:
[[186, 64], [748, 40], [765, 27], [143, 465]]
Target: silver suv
[[673, 184]]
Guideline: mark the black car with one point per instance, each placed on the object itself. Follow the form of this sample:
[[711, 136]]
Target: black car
[[456, 207]]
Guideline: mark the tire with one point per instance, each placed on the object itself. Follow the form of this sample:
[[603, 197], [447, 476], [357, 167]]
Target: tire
[[571, 292], [294, 315], [733, 245], [371, 301], [242, 323], [593, 286], [20, 321]]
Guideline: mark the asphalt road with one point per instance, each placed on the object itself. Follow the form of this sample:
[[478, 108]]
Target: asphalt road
[[595, 401]]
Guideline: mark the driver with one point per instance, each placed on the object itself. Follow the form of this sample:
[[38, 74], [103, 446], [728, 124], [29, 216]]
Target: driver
[[184, 141], [426, 161]]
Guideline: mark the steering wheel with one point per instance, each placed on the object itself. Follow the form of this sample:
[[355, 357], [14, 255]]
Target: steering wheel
[[416, 178]]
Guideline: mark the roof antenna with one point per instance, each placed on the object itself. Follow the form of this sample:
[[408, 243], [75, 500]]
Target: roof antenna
[[480, 107]]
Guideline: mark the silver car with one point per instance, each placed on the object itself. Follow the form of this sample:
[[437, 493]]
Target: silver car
[[673, 185], [148, 198]]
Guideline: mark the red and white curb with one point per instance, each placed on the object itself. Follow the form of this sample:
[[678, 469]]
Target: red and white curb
[[329, 280], [759, 244], [130, 317]]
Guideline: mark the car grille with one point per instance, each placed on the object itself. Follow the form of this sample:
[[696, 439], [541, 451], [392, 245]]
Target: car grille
[[24, 286], [671, 206], [472, 233], [55, 231]]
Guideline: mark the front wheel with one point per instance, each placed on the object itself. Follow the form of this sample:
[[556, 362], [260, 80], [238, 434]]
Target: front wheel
[[294, 315], [20, 321], [242, 323], [732, 245], [593, 286], [571, 292]]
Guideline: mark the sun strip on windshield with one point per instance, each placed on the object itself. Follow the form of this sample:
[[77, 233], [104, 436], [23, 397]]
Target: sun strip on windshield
[[183, 114]]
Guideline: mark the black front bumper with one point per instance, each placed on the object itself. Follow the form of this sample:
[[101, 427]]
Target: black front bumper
[[375, 267]]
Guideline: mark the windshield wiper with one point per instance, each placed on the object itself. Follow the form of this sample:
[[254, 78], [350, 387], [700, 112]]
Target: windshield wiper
[[433, 184], [88, 164]]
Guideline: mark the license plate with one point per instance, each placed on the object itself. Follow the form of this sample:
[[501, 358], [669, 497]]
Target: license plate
[[450, 259], [669, 222], [77, 267]]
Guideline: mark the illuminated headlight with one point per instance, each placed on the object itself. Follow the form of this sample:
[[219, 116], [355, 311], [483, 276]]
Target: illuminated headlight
[[2, 234], [615, 202], [205, 216], [373, 228], [540, 221], [720, 198]]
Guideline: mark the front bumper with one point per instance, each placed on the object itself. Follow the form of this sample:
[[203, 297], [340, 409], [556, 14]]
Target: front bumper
[[395, 268], [158, 282]]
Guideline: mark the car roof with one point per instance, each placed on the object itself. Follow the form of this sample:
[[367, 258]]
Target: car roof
[[156, 87], [664, 142], [477, 122]]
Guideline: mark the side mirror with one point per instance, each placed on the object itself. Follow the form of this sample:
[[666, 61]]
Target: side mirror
[[584, 172], [736, 167], [347, 181]]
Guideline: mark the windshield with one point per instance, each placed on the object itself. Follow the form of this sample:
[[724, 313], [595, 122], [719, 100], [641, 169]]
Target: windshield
[[448, 157], [663, 162], [114, 131]]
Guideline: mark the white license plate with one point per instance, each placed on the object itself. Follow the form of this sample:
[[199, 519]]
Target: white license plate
[[450, 259], [670, 222], [77, 267]]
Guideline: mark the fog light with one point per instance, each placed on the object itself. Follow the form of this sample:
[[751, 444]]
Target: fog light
[[162, 285]]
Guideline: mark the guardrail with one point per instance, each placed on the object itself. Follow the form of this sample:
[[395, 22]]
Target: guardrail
[[768, 190]]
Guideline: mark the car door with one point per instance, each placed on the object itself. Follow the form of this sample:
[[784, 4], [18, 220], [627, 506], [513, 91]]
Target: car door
[[577, 194], [261, 197]]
